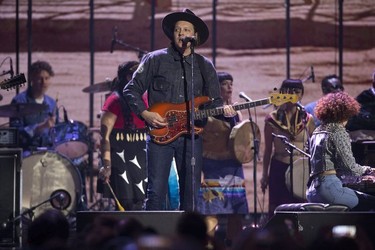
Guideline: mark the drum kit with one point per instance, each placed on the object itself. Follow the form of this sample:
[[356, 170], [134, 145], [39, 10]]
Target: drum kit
[[53, 177]]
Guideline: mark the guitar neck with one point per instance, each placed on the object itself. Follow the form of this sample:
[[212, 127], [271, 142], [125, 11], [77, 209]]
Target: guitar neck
[[13, 82], [202, 114]]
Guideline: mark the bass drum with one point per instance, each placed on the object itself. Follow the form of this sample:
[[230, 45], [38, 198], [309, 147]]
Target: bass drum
[[301, 175], [44, 173]]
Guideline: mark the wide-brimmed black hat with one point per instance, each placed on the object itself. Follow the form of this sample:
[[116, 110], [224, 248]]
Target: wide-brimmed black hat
[[200, 26]]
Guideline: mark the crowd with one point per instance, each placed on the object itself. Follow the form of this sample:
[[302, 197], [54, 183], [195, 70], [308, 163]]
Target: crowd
[[192, 231]]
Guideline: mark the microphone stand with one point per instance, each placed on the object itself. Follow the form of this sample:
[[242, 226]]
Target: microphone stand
[[255, 158], [29, 211], [304, 120], [192, 108], [290, 151]]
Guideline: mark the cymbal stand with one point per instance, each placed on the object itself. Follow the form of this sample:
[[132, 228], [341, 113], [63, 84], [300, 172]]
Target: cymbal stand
[[141, 52]]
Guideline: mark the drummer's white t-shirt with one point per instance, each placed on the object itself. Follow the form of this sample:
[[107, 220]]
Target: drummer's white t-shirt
[[39, 100]]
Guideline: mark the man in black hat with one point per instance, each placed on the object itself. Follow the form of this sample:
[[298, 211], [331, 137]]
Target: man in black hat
[[168, 75]]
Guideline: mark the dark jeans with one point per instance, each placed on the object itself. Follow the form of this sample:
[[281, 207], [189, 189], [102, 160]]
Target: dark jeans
[[159, 158]]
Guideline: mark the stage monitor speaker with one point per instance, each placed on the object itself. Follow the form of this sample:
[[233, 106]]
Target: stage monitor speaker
[[10, 193], [310, 225], [164, 222]]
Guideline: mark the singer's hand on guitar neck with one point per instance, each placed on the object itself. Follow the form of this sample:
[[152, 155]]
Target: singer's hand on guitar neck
[[154, 119], [229, 111]]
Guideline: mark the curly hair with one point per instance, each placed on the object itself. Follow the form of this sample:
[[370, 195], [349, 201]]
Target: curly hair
[[38, 66], [336, 108]]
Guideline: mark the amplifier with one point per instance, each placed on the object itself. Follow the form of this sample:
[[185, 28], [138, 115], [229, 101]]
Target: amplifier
[[8, 137], [10, 193]]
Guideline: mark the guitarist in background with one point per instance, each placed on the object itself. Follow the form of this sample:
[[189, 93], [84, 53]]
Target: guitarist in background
[[166, 75], [34, 129]]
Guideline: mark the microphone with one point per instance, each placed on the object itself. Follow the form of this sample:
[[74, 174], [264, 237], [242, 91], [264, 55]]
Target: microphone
[[282, 137], [191, 39], [114, 38], [302, 109], [300, 106], [312, 74], [65, 115], [60, 199], [244, 96]]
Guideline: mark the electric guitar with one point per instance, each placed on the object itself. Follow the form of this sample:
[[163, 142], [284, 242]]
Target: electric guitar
[[178, 115]]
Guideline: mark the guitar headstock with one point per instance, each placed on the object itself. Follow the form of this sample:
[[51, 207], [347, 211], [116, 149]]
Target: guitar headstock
[[278, 99], [13, 82]]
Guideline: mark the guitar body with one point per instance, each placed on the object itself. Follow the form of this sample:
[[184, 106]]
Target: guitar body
[[178, 118]]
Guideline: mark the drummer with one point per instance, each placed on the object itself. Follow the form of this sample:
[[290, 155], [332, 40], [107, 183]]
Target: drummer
[[34, 128]]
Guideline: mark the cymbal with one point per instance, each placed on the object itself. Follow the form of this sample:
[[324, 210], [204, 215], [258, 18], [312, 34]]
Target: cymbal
[[99, 87], [21, 109]]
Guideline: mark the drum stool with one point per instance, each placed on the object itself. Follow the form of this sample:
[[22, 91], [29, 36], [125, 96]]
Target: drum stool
[[311, 207]]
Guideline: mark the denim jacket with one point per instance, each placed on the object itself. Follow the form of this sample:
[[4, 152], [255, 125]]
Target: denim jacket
[[166, 76], [330, 149]]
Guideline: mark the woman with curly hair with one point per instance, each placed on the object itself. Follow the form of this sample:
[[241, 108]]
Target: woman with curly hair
[[332, 161]]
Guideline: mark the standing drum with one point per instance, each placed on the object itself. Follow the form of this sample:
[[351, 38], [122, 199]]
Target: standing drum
[[301, 175], [70, 139], [43, 174]]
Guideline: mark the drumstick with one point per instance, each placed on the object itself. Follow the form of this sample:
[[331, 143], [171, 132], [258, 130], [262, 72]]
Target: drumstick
[[56, 109], [117, 201]]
